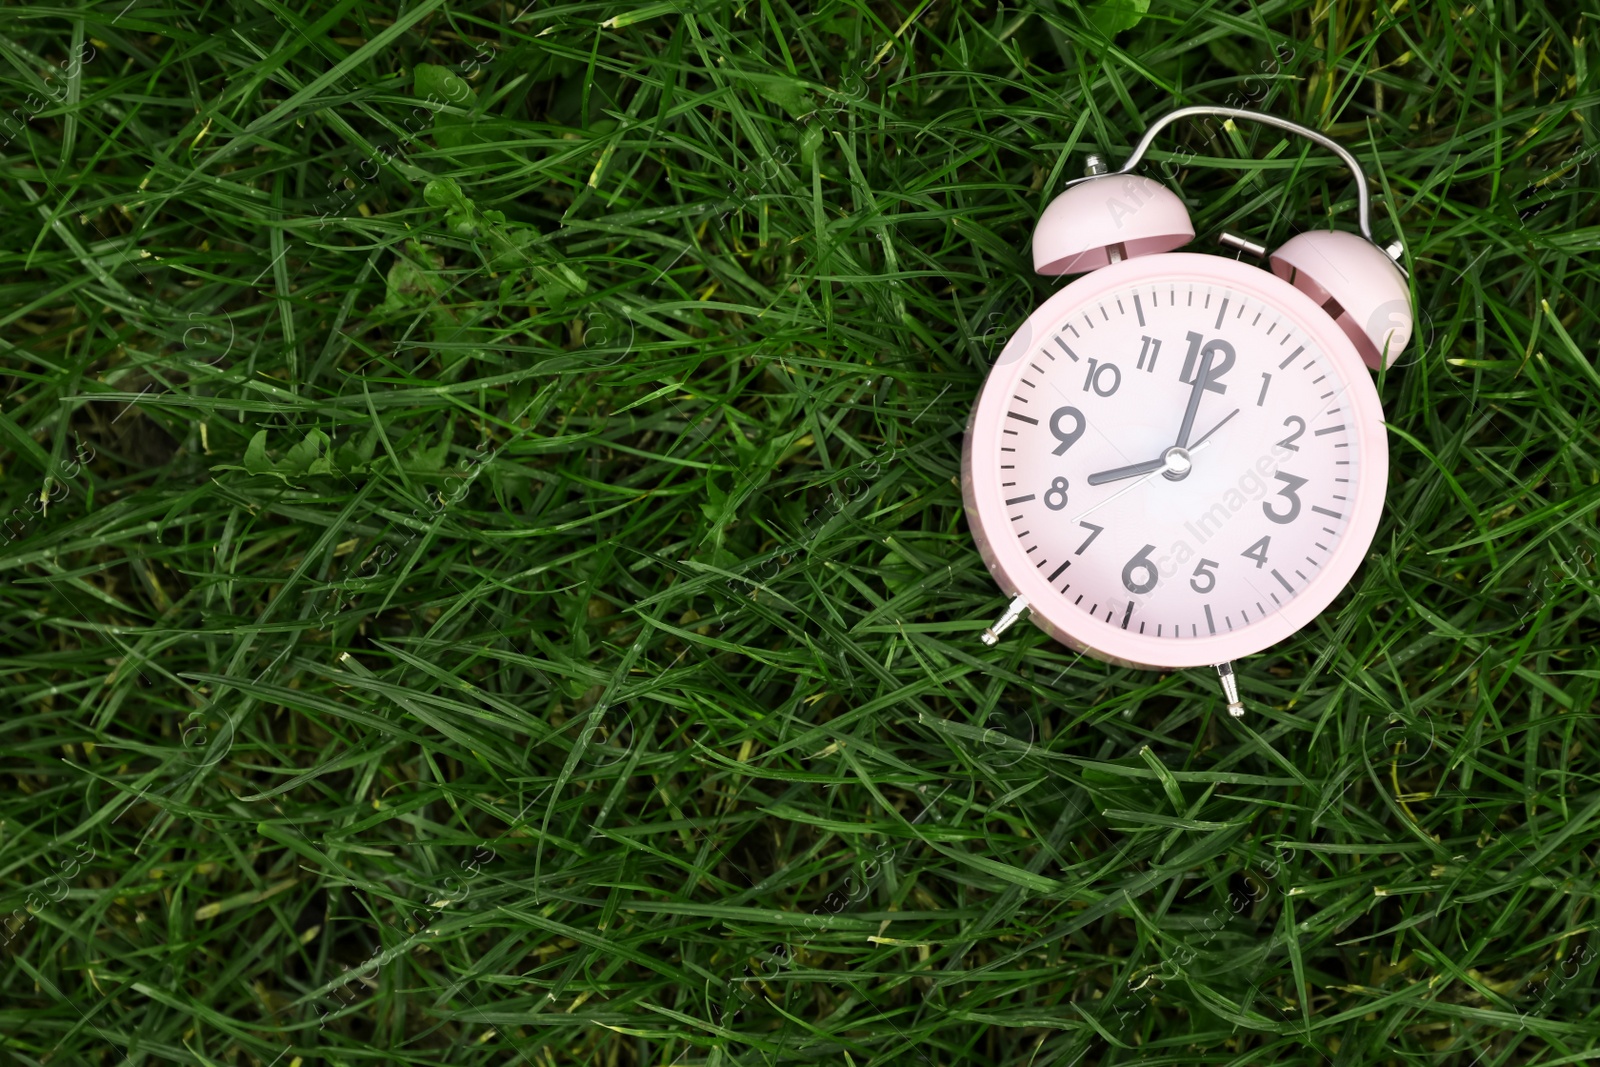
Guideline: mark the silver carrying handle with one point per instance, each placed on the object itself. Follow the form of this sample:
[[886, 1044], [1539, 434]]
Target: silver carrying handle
[[1363, 204]]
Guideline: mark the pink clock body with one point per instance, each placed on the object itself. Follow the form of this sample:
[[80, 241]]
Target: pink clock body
[[1149, 556]]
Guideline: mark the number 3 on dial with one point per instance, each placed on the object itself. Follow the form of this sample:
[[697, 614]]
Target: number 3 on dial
[[1289, 492]]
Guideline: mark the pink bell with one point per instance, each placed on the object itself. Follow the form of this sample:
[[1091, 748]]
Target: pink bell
[[1355, 283], [1106, 219]]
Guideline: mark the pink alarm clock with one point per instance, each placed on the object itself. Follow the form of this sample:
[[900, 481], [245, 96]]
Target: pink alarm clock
[[1179, 459]]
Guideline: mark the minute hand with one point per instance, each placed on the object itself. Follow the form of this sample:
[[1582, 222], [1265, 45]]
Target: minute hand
[[1201, 377]]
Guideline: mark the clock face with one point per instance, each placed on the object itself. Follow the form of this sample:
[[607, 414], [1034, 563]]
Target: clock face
[[1177, 458]]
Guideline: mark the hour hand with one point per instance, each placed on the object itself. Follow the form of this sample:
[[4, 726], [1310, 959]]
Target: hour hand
[[1132, 471]]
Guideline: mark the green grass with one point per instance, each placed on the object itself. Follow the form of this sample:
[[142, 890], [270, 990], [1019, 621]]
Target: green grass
[[504, 594]]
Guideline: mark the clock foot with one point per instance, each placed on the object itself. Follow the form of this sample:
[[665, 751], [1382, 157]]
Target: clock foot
[[1230, 689], [1013, 612]]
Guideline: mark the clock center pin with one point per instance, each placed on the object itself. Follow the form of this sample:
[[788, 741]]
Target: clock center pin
[[1178, 463]]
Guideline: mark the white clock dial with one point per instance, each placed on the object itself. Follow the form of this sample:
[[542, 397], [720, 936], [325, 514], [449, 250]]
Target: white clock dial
[[1167, 504]]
